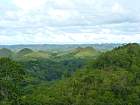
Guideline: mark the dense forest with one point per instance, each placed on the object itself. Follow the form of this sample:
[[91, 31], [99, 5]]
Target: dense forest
[[80, 76]]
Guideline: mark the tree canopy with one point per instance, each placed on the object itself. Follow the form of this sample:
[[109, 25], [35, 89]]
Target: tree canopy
[[11, 75]]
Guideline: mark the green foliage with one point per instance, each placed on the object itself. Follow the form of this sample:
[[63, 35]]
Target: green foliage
[[90, 87], [11, 75], [45, 69], [114, 81], [112, 78], [126, 56]]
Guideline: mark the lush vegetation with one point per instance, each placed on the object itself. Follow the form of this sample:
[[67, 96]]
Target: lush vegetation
[[82, 76], [11, 78]]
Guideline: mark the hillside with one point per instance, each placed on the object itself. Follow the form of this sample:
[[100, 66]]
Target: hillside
[[127, 56], [80, 52], [43, 65], [85, 52], [33, 56], [109, 81], [82, 77], [24, 51], [4, 52]]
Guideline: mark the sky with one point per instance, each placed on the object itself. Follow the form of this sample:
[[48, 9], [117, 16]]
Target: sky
[[69, 21]]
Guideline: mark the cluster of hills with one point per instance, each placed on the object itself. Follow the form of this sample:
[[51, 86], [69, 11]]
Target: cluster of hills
[[50, 65], [63, 47], [27, 53], [82, 76]]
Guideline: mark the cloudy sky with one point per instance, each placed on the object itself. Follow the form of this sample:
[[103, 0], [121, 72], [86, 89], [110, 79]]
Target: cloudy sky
[[69, 21]]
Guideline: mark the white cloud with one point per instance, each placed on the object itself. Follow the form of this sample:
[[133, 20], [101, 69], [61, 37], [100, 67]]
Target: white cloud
[[117, 8], [69, 38], [69, 21], [28, 5], [105, 31], [64, 3], [59, 15]]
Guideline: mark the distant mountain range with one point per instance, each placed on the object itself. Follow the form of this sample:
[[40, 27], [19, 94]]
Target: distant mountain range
[[55, 47]]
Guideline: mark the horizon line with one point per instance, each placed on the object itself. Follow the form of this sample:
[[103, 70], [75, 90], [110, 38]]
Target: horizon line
[[63, 44]]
